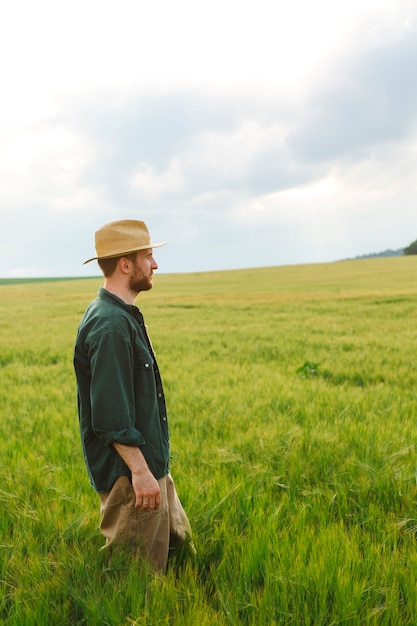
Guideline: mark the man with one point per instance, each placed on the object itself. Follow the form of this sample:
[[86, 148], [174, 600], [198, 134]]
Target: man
[[121, 404]]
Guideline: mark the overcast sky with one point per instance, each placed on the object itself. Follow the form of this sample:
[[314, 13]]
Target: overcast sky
[[246, 133]]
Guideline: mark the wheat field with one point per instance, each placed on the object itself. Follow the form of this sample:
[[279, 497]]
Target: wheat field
[[292, 401]]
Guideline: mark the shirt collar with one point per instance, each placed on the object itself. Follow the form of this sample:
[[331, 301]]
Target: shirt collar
[[104, 294]]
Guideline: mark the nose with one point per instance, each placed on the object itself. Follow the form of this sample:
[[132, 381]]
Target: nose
[[154, 264]]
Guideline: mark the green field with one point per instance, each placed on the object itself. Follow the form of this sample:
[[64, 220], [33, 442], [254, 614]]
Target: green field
[[292, 401]]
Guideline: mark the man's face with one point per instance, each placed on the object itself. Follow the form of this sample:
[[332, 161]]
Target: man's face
[[142, 271]]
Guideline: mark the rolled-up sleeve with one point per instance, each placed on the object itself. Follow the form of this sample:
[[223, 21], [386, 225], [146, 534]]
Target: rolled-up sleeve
[[112, 391]]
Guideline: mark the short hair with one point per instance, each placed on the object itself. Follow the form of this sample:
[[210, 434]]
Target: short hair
[[108, 265]]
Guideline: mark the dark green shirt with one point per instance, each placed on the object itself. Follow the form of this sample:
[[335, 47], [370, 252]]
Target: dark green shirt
[[119, 388]]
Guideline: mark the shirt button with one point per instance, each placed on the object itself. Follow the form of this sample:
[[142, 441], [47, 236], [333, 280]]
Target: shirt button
[[159, 395], [146, 364], [164, 418]]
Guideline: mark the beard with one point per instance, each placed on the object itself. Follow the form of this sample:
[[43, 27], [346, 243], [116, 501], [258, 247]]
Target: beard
[[139, 282]]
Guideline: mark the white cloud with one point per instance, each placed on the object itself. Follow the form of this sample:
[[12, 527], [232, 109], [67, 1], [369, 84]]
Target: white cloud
[[152, 184], [291, 127]]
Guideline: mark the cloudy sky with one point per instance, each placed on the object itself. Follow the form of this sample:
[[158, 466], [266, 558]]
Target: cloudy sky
[[246, 133]]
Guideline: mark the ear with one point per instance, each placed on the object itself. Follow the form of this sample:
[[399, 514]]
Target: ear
[[124, 265]]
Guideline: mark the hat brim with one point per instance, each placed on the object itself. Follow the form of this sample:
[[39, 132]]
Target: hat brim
[[136, 249]]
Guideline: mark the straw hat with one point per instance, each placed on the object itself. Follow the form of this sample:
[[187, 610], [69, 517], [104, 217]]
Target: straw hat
[[122, 237]]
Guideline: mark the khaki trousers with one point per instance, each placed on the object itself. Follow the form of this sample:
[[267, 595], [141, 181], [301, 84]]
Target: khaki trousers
[[151, 533]]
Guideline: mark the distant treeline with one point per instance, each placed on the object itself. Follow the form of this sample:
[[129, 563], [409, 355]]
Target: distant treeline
[[411, 249], [20, 281], [385, 253], [375, 255]]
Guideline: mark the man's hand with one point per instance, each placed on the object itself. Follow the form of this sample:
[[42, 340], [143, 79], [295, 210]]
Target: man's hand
[[144, 483], [147, 491]]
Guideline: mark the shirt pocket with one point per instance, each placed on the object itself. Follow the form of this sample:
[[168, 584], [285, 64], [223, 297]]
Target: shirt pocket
[[144, 378]]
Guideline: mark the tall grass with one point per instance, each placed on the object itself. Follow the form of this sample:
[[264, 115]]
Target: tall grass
[[292, 398]]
